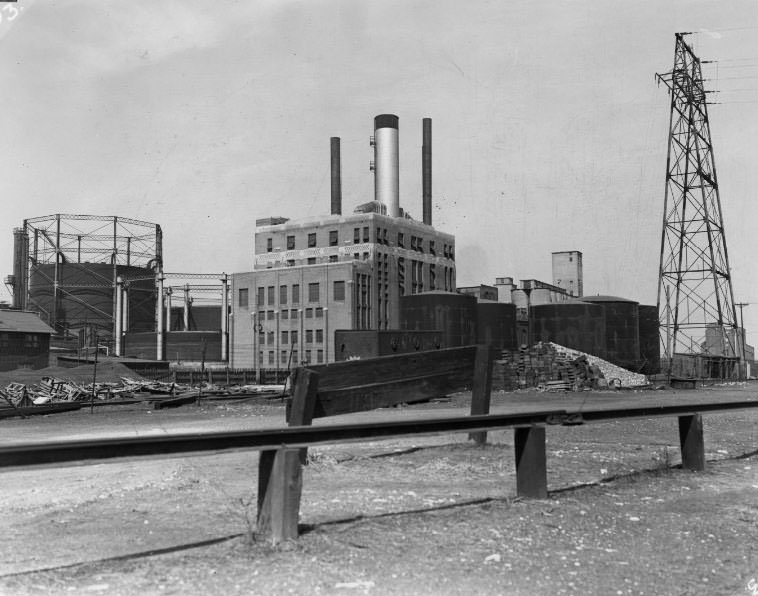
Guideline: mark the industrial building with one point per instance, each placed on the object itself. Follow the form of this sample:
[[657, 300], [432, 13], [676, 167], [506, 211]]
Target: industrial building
[[314, 276]]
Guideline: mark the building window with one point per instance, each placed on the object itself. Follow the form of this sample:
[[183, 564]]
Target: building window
[[431, 247], [365, 256], [384, 236], [293, 338], [260, 357], [284, 356], [356, 235], [312, 240], [311, 260], [319, 312], [294, 356], [271, 357], [308, 313], [295, 294], [282, 294], [290, 243], [261, 315], [339, 290], [319, 336], [401, 240], [432, 277], [290, 263], [269, 314], [319, 356], [293, 313], [309, 336], [285, 338], [333, 238], [378, 235], [243, 297], [356, 255], [269, 244], [365, 234], [270, 338], [270, 295], [333, 258], [307, 356], [261, 296], [285, 313], [313, 292]]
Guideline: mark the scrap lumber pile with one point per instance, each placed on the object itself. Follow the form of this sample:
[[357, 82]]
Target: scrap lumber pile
[[550, 367], [615, 375]]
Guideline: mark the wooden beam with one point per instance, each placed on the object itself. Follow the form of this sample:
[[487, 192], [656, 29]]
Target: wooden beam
[[302, 406], [531, 465], [280, 486], [691, 442], [481, 388], [361, 385]]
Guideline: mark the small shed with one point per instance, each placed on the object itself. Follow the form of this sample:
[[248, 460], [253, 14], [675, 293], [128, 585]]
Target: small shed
[[24, 340]]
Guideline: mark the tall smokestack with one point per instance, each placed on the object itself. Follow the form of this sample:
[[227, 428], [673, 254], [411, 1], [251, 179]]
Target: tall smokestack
[[426, 170], [336, 177], [387, 163]]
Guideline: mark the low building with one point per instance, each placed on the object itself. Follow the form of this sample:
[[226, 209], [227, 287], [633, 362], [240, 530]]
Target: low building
[[24, 340]]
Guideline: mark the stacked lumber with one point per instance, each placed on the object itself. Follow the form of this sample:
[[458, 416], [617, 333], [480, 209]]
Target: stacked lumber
[[550, 367]]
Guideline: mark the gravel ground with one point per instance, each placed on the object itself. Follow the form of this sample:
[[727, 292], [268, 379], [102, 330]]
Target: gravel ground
[[435, 515]]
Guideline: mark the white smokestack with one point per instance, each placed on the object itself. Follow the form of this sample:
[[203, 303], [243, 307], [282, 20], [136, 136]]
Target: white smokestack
[[387, 163]]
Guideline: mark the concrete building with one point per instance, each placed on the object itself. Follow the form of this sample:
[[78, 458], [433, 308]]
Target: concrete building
[[567, 272], [313, 276]]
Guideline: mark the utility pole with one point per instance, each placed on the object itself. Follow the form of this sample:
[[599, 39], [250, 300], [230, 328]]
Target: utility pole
[[695, 299], [743, 371]]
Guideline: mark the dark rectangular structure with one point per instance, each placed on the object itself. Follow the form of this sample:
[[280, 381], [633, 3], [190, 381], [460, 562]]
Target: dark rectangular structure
[[371, 343]]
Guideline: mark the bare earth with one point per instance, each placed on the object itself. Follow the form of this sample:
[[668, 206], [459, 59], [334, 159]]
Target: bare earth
[[432, 515]]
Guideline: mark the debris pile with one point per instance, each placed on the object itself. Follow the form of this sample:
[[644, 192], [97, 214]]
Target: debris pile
[[550, 367]]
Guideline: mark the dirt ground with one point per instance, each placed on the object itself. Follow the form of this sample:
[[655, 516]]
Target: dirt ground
[[435, 515]]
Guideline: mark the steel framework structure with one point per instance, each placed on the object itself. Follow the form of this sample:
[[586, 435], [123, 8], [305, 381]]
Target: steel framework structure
[[94, 250], [695, 298]]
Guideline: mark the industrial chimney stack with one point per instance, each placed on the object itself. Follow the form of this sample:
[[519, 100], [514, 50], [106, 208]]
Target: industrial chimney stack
[[336, 177], [426, 170], [387, 163]]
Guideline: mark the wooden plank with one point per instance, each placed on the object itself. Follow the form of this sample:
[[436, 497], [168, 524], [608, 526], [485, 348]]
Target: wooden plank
[[361, 385], [384, 368], [692, 442], [531, 465], [481, 388], [390, 393], [280, 486]]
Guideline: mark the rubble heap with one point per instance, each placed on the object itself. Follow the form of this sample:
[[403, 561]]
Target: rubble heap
[[550, 367]]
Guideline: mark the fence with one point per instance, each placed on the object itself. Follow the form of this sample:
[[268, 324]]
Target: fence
[[216, 376]]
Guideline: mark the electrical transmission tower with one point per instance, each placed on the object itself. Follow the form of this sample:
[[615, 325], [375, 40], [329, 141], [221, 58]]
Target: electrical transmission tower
[[695, 299]]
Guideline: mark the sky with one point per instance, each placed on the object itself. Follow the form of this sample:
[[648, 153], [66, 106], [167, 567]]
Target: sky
[[549, 131]]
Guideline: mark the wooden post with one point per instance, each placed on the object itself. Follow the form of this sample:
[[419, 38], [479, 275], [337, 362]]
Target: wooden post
[[280, 485], [481, 388], [303, 402], [531, 466], [691, 441]]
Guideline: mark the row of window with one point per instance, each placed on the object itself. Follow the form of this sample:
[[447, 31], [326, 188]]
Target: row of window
[[286, 314], [362, 234], [284, 357], [291, 337], [267, 295]]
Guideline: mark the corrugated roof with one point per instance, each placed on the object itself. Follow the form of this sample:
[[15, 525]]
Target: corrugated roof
[[21, 321]]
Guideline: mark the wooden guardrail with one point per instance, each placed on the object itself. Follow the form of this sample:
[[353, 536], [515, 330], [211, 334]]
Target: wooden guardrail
[[338, 388]]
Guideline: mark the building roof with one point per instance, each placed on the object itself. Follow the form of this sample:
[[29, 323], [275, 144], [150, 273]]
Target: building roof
[[600, 298], [21, 321]]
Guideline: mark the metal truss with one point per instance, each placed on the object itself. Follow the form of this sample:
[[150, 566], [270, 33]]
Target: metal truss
[[695, 298]]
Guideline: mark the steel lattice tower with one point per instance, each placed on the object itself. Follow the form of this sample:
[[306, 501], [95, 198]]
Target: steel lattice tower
[[695, 298]]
